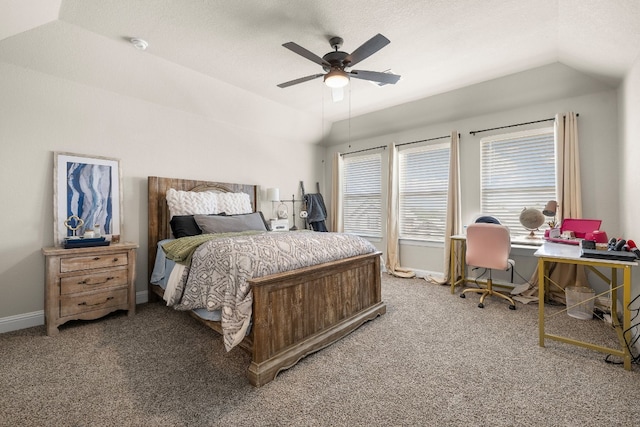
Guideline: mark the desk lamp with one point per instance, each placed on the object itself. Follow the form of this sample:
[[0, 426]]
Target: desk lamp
[[550, 210]]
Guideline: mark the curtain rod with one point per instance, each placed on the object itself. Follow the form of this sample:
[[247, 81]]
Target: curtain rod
[[425, 140], [473, 132], [398, 145], [366, 149]]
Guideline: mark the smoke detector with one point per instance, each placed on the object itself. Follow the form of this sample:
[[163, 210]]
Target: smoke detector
[[139, 43]]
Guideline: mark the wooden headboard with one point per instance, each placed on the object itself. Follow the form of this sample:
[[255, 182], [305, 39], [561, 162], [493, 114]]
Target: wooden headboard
[[159, 227]]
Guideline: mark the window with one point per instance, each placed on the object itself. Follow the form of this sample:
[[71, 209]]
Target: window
[[362, 195], [424, 184], [518, 171]]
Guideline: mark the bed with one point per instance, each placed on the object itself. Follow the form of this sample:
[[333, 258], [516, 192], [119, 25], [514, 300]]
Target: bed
[[294, 313]]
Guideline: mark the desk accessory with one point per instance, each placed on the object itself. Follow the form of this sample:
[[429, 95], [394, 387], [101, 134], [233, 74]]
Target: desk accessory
[[531, 219], [610, 255], [588, 244], [551, 210]]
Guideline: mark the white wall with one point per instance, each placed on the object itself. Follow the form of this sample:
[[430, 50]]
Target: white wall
[[629, 160], [40, 114], [251, 140], [598, 137]]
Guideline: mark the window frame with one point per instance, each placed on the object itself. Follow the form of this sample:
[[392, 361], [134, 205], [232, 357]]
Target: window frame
[[507, 200], [362, 225], [428, 195]]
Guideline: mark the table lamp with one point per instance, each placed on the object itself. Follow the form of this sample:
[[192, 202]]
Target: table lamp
[[273, 195]]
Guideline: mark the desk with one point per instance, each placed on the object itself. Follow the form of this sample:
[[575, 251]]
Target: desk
[[570, 254], [458, 255]]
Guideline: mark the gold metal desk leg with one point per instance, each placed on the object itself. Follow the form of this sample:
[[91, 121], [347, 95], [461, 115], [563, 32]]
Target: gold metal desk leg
[[457, 255], [541, 286], [452, 265], [626, 321], [614, 298]]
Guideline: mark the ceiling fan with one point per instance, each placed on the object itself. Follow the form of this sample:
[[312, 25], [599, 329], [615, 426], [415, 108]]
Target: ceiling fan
[[336, 63]]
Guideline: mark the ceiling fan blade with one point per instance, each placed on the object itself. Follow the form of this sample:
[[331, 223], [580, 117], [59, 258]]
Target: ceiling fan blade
[[369, 47], [300, 80], [296, 48], [375, 76]]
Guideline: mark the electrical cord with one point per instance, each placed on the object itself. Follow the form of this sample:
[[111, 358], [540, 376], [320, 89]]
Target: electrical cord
[[520, 276], [630, 344], [475, 280]]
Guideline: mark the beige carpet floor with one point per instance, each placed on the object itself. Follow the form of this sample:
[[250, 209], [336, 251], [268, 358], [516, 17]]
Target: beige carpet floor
[[433, 360]]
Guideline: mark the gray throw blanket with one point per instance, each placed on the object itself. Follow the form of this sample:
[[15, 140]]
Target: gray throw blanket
[[316, 211]]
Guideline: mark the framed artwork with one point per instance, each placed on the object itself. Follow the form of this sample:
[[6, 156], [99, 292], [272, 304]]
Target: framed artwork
[[87, 193]]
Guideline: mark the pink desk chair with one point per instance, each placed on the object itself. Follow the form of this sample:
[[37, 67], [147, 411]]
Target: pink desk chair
[[488, 246]]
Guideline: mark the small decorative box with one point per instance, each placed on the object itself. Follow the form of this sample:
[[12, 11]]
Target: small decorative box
[[279, 225]]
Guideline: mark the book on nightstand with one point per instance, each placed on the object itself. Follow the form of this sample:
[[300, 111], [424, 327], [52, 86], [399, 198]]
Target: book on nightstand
[[81, 242]]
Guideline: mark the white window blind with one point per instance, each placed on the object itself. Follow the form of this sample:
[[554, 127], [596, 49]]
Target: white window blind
[[362, 195], [424, 183], [518, 171]]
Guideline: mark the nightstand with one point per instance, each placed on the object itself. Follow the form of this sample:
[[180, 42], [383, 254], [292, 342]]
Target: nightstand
[[88, 283]]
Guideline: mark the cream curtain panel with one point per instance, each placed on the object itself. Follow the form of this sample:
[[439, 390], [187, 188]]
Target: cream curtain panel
[[569, 200], [569, 205], [453, 223], [335, 213], [568, 170], [392, 261]]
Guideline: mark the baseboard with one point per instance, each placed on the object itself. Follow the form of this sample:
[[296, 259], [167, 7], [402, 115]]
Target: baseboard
[[421, 274], [142, 297], [21, 321], [36, 318]]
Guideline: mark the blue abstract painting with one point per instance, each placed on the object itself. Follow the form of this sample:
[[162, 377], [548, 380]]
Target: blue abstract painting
[[90, 195], [89, 188]]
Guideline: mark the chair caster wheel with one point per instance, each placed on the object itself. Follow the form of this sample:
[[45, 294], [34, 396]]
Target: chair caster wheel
[[512, 307], [481, 305], [463, 296]]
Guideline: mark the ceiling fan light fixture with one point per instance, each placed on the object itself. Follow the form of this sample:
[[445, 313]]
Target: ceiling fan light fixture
[[336, 79]]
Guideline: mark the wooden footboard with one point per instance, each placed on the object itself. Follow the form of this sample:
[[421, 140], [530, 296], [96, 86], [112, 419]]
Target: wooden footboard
[[299, 312]]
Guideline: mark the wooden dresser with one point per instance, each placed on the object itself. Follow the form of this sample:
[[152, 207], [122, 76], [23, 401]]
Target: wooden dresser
[[88, 283]]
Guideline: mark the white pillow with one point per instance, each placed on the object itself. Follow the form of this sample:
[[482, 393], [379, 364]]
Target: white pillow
[[234, 203], [191, 202]]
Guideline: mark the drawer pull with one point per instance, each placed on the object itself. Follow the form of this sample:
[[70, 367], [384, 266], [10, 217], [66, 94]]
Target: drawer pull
[[87, 282], [96, 258], [115, 260], [99, 303]]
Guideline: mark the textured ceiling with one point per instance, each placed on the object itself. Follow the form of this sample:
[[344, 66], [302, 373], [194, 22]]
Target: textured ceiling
[[436, 46]]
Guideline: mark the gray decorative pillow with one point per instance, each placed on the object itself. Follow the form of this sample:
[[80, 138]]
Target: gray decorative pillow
[[230, 223]]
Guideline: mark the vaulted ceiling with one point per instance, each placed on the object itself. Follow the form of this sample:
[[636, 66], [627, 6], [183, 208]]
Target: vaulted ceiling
[[436, 45]]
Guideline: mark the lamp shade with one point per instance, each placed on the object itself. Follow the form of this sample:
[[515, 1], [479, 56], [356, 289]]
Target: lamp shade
[[273, 194], [551, 208], [336, 79]]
